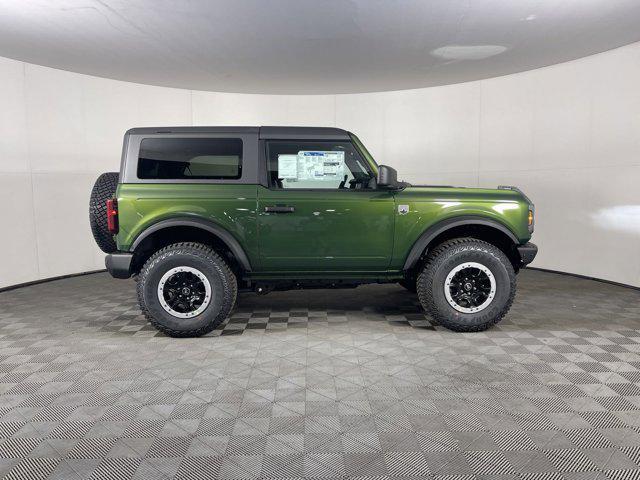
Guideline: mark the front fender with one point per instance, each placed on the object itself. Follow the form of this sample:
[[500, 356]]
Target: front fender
[[434, 230]]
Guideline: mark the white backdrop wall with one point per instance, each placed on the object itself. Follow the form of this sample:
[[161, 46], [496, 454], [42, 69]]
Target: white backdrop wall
[[569, 135]]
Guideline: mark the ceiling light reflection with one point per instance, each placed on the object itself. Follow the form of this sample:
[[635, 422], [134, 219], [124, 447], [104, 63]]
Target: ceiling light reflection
[[468, 52]]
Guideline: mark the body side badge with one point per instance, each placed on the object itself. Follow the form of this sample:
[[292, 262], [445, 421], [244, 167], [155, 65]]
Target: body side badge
[[403, 209]]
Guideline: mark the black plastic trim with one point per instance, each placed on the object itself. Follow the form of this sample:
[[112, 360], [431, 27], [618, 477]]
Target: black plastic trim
[[433, 231], [527, 252], [280, 209], [303, 133], [266, 132], [119, 264], [228, 239], [187, 130]]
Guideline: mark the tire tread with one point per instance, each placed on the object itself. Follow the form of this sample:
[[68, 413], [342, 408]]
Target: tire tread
[[425, 281], [103, 189], [206, 253]]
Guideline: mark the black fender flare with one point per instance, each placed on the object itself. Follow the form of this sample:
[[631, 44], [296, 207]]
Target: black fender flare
[[434, 230], [208, 226]]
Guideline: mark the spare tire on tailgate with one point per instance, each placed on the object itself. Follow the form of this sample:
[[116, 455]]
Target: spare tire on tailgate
[[103, 190]]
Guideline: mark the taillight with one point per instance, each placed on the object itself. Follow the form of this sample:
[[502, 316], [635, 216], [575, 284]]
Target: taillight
[[112, 216]]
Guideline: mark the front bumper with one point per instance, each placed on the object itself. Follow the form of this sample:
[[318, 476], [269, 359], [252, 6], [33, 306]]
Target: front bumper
[[119, 264], [527, 252]]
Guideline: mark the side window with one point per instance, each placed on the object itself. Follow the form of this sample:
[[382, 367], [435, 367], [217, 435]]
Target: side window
[[316, 165], [190, 158]]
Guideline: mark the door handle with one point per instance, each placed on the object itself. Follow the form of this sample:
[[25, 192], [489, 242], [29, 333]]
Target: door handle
[[279, 209]]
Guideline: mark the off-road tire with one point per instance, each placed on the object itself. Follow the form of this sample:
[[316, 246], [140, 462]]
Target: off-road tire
[[224, 288], [103, 189], [442, 260]]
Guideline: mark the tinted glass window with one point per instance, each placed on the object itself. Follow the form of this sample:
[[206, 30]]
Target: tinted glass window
[[190, 158], [317, 165]]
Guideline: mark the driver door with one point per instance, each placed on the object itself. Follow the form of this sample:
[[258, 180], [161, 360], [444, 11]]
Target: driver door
[[321, 211]]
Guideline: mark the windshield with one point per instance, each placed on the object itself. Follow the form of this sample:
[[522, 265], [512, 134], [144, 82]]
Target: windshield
[[365, 152]]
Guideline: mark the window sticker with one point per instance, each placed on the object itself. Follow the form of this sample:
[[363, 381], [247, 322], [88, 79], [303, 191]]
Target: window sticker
[[320, 165], [288, 167]]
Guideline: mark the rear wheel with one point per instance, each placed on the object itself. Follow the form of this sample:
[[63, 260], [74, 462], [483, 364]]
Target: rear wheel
[[467, 285], [103, 190], [186, 290]]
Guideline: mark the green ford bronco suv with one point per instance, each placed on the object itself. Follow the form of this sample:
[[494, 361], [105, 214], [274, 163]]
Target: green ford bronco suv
[[197, 213]]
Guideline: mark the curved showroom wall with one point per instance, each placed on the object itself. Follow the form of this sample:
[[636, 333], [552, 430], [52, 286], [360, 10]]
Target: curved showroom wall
[[568, 135]]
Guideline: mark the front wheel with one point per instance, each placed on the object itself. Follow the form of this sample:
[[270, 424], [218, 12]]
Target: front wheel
[[467, 285], [186, 290]]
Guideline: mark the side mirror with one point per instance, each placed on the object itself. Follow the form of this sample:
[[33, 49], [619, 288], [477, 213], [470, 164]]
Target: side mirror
[[387, 177]]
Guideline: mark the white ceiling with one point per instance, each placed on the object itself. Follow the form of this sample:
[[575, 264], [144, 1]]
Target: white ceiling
[[310, 46]]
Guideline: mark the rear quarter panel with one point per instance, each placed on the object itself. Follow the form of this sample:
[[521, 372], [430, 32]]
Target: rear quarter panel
[[231, 206], [430, 205]]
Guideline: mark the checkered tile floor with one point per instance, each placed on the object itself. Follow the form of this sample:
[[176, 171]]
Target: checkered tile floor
[[321, 384]]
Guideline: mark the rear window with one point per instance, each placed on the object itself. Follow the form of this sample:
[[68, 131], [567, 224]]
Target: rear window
[[190, 158]]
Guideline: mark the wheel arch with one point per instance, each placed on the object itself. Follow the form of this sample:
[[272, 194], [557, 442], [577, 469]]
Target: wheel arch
[[165, 232], [481, 228]]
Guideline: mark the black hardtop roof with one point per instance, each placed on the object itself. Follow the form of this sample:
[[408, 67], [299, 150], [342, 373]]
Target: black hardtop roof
[[298, 133]]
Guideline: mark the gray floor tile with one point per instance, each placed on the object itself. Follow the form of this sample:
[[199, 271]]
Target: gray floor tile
[[321, 384]]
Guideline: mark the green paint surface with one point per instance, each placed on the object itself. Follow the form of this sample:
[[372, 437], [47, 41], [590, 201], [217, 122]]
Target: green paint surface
[[337, 232]]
